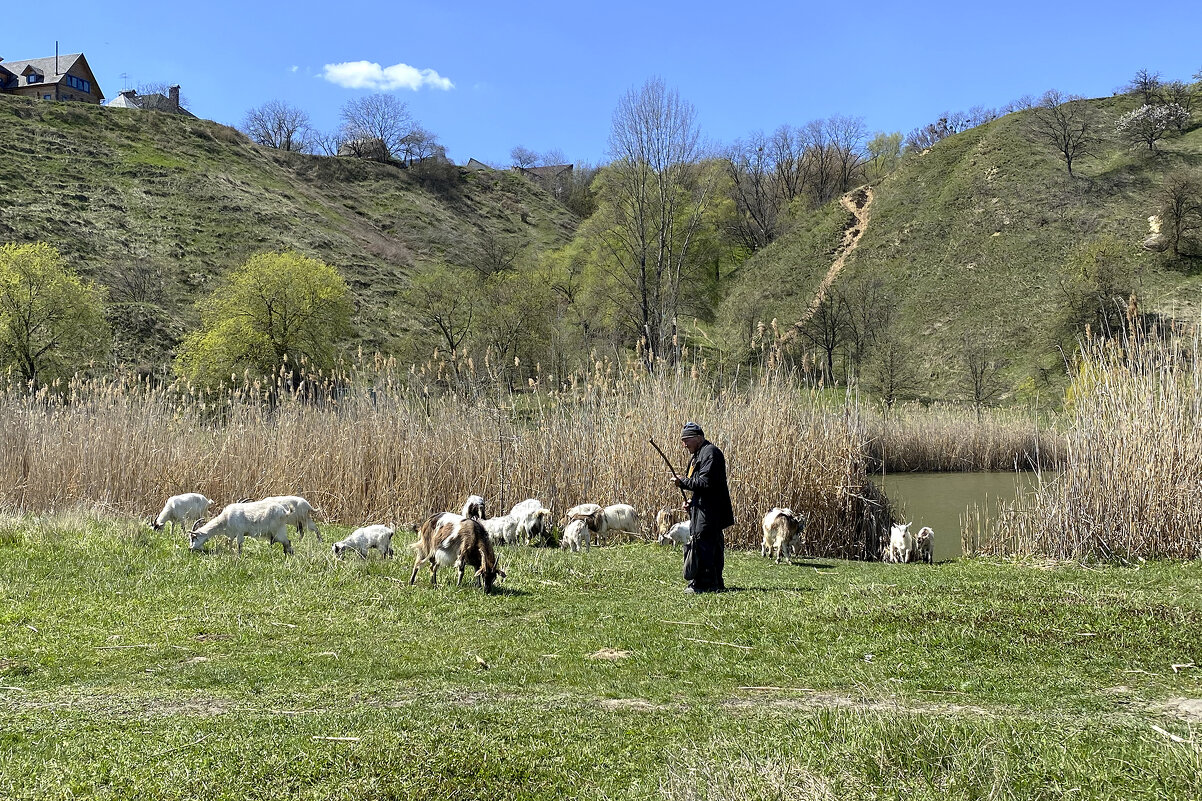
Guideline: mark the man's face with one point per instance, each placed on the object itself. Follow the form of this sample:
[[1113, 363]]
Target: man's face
[[691, 443]]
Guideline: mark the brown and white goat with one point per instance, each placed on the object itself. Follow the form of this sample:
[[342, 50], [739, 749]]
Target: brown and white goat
[[459, 542], [782, 533], [923, 545]]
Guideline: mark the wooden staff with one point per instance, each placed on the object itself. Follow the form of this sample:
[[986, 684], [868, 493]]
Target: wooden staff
[[670, 467]]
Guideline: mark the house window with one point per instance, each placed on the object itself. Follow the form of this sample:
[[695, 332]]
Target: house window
[[33, 78], [45, 97], [79, 83]]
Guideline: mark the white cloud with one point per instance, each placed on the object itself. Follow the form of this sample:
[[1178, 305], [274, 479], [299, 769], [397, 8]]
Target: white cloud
[[369, 75], [293, 68]]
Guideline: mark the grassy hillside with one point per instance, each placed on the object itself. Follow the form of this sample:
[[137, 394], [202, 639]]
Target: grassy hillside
[[132, 668], [974, 233], [155, 206]]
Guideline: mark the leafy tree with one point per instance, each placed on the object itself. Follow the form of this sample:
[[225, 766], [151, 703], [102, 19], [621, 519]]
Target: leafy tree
[[278, 125], [1148, 124], [380, 117], [1064, 122], [277, 311], [1098, 279], [884, 153], [51, 321], [445, 300]]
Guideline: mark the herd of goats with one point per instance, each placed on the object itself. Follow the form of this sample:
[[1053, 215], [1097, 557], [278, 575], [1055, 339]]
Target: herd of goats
[[467, 538]]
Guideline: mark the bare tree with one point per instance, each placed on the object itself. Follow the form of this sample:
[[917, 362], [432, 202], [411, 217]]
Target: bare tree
[[757, 197], [827, 330], [788, 148], [420, 144], [658, 196], [278, 125], [381, 117], [1064, 122], [1180, 210], [847, 136], [1146, 84], [523, 157], [892, 370], [1181, 94], [981, 365], [868, 305]]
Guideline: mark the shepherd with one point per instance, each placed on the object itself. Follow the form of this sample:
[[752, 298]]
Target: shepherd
[[709, 511]]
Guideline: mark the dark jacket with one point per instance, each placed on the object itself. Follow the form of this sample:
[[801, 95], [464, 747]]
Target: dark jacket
[[710, 509]]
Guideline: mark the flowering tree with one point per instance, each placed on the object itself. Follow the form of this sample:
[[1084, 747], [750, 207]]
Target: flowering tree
[[1147, 124]]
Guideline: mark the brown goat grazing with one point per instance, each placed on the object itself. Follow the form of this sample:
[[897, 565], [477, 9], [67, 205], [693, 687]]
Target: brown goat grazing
[[459, 542]]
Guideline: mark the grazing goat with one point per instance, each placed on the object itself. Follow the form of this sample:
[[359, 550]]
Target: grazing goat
[[300, 514], [458, 542], [501, 530], [579, 511], [679, 534], [182, 510], [238, 520], [619, 517], [363, 539], [573, 533], [924, 545], [667, 517], [782, 533], [901, 544], [533, 521]]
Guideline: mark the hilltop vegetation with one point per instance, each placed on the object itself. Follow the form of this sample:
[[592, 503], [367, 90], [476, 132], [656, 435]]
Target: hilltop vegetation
[[985, 235], [155, 206]]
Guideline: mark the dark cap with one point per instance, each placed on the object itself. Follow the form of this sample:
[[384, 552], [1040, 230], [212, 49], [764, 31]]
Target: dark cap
[[691, 430]]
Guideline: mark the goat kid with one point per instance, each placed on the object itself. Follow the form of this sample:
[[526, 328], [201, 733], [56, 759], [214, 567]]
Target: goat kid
[[363, 539]]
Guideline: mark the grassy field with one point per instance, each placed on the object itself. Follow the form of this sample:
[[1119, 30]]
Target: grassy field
[[131, 668]]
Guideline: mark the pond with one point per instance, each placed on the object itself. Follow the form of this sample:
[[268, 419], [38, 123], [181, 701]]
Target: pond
[[940, 500]]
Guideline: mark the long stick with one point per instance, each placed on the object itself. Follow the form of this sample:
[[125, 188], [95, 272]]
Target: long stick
[[670, 467]]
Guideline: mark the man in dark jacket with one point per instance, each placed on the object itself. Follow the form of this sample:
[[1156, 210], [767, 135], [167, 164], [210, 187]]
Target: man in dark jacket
[[709, 510]]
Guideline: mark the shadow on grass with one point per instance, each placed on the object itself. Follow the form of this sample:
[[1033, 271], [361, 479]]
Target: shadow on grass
[[731, 588], [815, 565]]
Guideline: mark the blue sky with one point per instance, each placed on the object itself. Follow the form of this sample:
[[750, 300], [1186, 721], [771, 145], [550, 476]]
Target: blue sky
[[485, 77]]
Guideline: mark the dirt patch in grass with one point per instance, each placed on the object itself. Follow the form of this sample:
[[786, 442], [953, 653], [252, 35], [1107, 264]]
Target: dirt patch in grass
[[610, 654], [1184, 708], [810, 700]]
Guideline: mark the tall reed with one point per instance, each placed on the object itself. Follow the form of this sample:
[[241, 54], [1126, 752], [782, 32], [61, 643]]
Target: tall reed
[[1132, 480], [377, 446], [949, 438]]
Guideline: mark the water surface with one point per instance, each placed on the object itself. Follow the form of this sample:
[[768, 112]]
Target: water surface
[[941, 500]]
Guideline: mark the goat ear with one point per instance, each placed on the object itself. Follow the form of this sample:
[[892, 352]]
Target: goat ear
[[501, 573]]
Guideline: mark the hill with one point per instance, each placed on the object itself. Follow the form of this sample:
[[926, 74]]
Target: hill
[[155, 206], [975, 233]]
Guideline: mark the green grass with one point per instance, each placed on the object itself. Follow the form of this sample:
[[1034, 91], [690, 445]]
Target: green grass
[[131, 668]]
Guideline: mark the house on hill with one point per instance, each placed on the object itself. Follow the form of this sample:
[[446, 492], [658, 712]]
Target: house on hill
[[154, 101], [52, 78], [555, 178]]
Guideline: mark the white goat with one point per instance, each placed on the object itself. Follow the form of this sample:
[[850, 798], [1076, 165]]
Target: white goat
[[238, 520], [300, 514], [924, 545], [573, 533], [501, 530], [620, 517], [679, 534], [901, 544], [533, 521], [182, 510], [363, 539], [782, 533], [667, 517]]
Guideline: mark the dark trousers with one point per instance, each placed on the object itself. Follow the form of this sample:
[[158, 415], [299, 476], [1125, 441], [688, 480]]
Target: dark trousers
[[707, 557]]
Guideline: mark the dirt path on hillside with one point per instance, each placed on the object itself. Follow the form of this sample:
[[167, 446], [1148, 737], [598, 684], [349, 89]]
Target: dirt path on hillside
[[858, 202]]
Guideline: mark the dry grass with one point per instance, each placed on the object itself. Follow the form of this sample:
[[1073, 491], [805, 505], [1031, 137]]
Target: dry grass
[[379, 448], [947, 438], [1131, 487]]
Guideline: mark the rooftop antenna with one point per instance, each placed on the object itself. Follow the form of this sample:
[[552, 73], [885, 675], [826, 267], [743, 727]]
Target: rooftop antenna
[[125, 82]]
